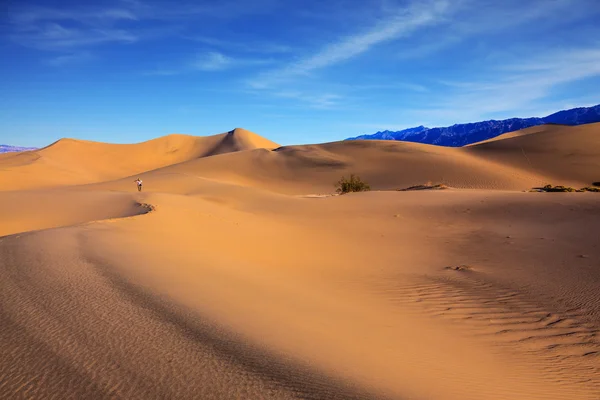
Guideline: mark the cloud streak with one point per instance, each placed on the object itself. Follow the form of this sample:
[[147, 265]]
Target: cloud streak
[[59, 30], [257, 47], [126, 21], [211, 61], [402, 22], [517, 87], [69, 59]]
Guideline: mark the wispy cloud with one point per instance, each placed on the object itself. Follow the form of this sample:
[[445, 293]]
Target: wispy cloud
[[68, 59], [211, 61], [396, 86], [125, 21], [41, 14], [518, 87], [216, 61], [60, 29], [284, 82], [497, 16], [480, 18], [402, 22], [54, 36], [188, 9], [320, 101], [241, 45]]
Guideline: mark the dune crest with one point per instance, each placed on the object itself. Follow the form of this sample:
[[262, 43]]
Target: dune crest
[[517, 161], [73, 161]]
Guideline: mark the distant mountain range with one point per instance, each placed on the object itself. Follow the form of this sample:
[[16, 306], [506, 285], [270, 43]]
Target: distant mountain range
[[463, 134], [4, 148]]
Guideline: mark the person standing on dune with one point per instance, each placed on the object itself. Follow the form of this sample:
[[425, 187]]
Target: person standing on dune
[[139, 184]]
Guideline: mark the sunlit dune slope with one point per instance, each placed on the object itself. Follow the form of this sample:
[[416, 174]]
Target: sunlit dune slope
[[257, 295], [231, 288], [561, 154], [516, 161], [385, 165], [42, 209], [70, 161], [522, 132]]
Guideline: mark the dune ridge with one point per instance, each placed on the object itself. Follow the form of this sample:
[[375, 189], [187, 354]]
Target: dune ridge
[[71, 161], [518, 161]]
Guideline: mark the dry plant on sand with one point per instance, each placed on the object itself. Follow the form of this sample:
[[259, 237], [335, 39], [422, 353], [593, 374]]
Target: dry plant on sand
[[354, 184], [560, 188], [427, 186]]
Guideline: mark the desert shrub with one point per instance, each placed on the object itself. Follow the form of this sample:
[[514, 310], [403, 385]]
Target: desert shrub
[[558, 188], [590, 189], [354, 184], [596, 184], [427, 186]]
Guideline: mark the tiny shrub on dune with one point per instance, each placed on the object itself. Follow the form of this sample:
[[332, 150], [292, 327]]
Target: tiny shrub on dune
[[596, 183], [427, 186], [590, 189], [558, 188], [354, 184]]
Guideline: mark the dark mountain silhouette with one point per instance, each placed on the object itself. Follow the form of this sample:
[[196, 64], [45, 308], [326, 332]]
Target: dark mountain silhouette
[[462, 134], [4, 148]]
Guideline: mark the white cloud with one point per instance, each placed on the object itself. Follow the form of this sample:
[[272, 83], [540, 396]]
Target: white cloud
[[48, 28], [216, 61], [60, 29], [402, 22], [54, 36], [413, 87], [212, 61], [519, 88], [317, 101], [40, 14]]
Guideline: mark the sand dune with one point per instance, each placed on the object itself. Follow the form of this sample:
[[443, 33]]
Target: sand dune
[[42, 209], [70, 161], [518, 161], [522, 132], [310, 169], [219, 281], [564, 154]]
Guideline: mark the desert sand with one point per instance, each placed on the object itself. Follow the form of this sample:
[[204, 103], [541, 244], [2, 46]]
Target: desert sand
[[237, 273]]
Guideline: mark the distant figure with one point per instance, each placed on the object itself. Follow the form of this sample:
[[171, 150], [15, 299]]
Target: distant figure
[[139, 184]]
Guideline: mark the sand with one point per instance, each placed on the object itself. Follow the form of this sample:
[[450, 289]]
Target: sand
[[237, 273]]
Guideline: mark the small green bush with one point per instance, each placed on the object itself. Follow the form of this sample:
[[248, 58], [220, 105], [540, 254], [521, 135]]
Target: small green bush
[[354, 184]]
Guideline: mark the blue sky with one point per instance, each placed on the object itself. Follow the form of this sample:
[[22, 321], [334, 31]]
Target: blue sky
[[295, 72]]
